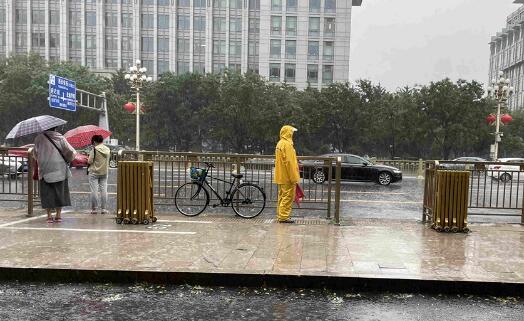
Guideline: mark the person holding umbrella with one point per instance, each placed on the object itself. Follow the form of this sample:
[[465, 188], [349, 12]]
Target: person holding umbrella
[[98, 167], [53, 153]]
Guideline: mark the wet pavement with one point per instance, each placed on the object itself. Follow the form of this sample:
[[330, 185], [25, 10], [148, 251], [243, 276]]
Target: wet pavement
[[366, 248], [53, 302]]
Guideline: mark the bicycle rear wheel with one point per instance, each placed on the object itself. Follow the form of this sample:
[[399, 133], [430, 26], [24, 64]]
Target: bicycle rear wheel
[[191, 199], [248, 200]]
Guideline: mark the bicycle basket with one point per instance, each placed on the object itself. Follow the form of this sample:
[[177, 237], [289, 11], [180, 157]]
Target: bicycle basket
[[196, 173]]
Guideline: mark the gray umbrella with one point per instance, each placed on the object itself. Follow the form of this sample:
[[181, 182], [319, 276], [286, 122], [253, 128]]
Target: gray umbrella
[[35, 125]]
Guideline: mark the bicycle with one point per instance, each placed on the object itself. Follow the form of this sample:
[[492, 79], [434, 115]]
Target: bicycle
[[248, 200]]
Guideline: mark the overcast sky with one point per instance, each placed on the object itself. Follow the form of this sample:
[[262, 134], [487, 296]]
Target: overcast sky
[[407, 42]]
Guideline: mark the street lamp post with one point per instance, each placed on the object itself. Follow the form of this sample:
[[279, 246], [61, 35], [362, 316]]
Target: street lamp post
[[500, 91], [137, 77]]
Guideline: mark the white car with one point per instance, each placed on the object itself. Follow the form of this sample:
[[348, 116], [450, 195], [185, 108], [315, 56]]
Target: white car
[[11, 166], [503, 172]]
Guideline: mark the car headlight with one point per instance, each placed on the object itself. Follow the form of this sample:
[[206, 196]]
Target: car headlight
[[397, 171]]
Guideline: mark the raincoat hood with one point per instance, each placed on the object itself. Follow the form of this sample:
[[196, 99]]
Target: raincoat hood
[[103, 150], [286, 132]]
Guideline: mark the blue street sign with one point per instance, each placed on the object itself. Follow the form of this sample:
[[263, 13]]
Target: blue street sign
[[62, 93]]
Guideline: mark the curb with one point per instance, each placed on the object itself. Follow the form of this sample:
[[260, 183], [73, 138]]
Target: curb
[[263, 280]]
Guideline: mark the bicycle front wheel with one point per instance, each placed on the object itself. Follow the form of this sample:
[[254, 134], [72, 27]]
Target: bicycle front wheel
[[248, 200], [191, 199]]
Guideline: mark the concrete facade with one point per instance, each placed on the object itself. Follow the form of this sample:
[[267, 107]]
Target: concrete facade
[[507, 55], [293, 41]]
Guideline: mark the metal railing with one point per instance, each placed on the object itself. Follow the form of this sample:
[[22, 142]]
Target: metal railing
[[16, 179], [494, 187], [171, 170], [408, 167]]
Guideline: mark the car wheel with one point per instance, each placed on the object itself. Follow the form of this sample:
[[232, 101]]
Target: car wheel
[[319, 176], [384, 178], [113, 163], [505, 177]]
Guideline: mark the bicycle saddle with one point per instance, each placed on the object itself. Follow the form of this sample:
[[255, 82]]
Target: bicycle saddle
[[237, 175]]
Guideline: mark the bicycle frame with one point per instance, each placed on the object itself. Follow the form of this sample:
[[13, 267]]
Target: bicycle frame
[[223, 201]]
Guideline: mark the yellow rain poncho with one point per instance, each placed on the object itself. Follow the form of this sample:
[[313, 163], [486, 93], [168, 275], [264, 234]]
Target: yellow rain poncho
[[286, 172]]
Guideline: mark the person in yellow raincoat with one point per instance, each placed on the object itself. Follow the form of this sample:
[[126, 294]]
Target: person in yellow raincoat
[[286, 173]]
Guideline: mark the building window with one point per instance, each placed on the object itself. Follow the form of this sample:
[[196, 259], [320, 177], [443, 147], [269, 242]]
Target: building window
[[111, 19], [274, 50], [127, 20], [21, 39], [254, 4], [219, 3], [199, 23], [182, 46], [329, 26], [162, 66], [274, 72], [199, 67], [91, 62], [254, 25], [314, 26], [235, 67], [38, 17], [111, 42], [199, 3], [199, 47], [328, 51], [219, 24], [219, 47], [74, 41], [111, 63], [327, 74], [182, 67], [2, 15], [183, 3], [235, 4], [235, 48], [312, 73], [312, 50], [147, 21], [291, 5], [183, 22], [291, 49], [147, 44], [289, 75], [276, 5], [314, 6], [54, 40], [163, 44], [252, 48], [74, 18], [127, 43], [147, 2], [276, 25], [235, 25], [291, 26], [163, 21], [161, 2], [90, 41], [20, 16], [330, 6], [253, 67], [149, 65], [54, 17], [219, 67], [38, 39], [91, 18]]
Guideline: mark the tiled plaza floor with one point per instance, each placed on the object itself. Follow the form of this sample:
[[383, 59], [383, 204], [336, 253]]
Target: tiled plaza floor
[[362, 248]]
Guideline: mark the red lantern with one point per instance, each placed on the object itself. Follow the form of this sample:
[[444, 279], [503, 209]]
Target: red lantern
[[506, 119], [130, 107], [491, 119]]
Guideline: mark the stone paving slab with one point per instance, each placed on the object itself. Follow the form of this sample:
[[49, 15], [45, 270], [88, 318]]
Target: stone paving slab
[[371, 249]]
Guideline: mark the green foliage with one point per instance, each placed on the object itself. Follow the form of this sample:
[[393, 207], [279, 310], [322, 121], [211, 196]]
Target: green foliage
[[243, 113]]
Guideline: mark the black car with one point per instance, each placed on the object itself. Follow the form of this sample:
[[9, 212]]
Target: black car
[[353, 168]]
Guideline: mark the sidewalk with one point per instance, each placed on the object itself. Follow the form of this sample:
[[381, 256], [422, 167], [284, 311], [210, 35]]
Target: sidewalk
[[223, 245]]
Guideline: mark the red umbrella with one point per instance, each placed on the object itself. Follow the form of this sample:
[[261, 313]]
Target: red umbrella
[[81, 136]]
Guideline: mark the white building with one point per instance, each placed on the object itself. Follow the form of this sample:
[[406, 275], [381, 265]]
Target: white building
[[507, 54], [297, 41]]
